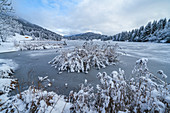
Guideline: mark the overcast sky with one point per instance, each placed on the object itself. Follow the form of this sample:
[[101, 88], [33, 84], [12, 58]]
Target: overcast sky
[[109, 17]]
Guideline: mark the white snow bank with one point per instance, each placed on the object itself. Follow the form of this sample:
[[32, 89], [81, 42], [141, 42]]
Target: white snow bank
[[7, 47], [11, 42], [19, 37]]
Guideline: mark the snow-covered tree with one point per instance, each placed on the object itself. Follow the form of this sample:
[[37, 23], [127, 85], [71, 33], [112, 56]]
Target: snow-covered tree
[[5, 6], [154, 27], [8, 27], [160, 24], [147, 30], [155, 31]]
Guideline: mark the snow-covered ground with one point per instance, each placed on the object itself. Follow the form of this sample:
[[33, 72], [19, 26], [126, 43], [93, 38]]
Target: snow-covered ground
[[10, 46], [19, 42]]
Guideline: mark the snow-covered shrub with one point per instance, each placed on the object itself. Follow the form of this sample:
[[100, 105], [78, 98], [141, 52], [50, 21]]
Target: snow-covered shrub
[[83, 58], [36, 101], [143, 93], [110, 95], [83, 100], [7, 67], [150, 92], [37, 46]]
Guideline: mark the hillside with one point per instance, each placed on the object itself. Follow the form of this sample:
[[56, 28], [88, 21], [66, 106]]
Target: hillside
[[156, 31], [9, 25], [86, 36]]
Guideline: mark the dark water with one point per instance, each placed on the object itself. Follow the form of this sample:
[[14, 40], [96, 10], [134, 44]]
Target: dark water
[[35, 63]]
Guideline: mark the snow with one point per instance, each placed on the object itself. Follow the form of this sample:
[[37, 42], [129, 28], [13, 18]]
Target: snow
[[136, 95], [7, 67], [37, 100], [7, 47], [148, 90], [42, 78], [19, 37], [10, 44], [6, 85], [19, 42], [167, 99], [162, 74], [83, 58]]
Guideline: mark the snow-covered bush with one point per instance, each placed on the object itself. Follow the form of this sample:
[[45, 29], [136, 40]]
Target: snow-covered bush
[[37, 46], [151, 94], [143, 93], [36, 101], [83, 58], [7, 67], [7, 83], [83, 100]]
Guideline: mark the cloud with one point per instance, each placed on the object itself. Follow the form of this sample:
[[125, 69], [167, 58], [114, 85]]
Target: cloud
[[105, 16]]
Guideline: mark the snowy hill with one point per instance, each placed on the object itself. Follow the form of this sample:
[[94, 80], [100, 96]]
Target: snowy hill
[[156, 31], [86, 36], [12, 24]]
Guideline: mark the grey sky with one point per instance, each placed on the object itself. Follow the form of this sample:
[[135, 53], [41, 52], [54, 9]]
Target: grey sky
[[102, 16]]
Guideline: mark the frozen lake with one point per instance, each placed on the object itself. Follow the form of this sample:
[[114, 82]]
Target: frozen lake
[[35, 63]]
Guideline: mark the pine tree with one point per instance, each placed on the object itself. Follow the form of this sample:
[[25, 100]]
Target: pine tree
[[164, 23], [160, 24], [141, 29], [167, 24], [5, 6], [154, 27], [147, 30]]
